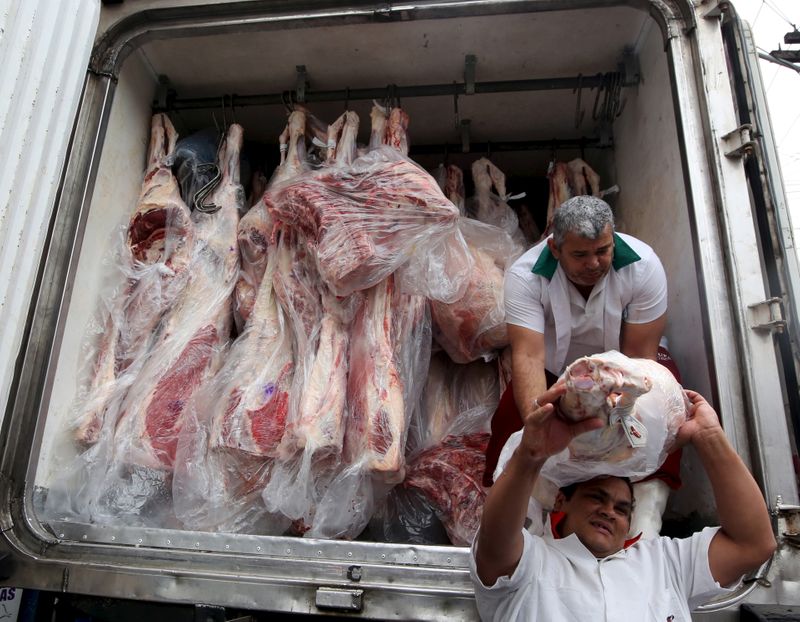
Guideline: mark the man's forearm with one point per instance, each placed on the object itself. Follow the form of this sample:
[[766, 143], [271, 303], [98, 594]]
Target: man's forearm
[[741, 510], [529, 382], [504, 513]]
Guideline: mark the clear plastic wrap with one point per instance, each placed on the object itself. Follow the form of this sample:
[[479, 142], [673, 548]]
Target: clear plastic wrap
[[474, 326], [643, 406], [384, 210]]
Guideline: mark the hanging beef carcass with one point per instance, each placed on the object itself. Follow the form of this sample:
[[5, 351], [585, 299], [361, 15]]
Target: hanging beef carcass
[[582, 178], [154, 260], [454, 187], [253, 386], [574, 178], [490, 207], [256, 227], [193, 332]]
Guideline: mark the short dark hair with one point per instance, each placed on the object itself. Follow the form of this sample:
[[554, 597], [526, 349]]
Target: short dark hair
[[570, 489]]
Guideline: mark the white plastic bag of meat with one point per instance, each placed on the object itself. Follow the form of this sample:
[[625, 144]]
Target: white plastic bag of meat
[[445, 469], [643, 405], [384, 210], [474, 326]]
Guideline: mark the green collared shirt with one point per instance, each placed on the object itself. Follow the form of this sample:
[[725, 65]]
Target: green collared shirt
[[624, 255]]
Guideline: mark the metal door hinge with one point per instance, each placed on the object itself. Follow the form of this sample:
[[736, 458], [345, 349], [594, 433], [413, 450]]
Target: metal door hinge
[[331, 598], [740, 142], [767, 315]]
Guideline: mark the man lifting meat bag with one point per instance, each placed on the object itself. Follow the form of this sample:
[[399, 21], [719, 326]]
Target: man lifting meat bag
[[585, 289]]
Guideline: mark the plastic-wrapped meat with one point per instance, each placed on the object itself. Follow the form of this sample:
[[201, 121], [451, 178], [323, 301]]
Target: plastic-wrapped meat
[[474, 326], [450, 475], [192, 333], [256, 227], [491, 207], [252, 389], [158, 249], [643, 406], [383, 209]]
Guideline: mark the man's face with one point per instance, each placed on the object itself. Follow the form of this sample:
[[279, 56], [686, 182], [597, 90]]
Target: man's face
[[599, 513], [585, 261]]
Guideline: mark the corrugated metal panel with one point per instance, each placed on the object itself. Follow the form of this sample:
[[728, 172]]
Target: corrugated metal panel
[[44, 52]]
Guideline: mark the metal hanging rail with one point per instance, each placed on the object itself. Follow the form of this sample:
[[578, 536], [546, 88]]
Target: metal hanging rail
[[512, 145], [398, 92]]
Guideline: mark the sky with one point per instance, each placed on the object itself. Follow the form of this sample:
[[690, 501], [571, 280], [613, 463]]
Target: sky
[[770, 21]]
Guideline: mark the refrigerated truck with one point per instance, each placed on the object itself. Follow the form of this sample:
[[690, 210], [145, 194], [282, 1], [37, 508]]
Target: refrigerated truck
[[663, 97]]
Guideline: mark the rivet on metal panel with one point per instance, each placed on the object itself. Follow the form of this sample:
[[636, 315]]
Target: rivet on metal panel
[[288, 551], [319, 552], [349, 554], [449, 561], [84, 537], [383, 555], [258, 548], [113, 538], [169, 542], [415, 558], [227, 547], [197, 545], [140, 540], [61, 535]]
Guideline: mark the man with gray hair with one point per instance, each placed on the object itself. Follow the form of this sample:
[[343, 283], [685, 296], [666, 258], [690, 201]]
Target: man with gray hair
[[585, 289]]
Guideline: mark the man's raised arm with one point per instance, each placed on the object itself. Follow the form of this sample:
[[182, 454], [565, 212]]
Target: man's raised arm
[[499, 546], [745, 539]]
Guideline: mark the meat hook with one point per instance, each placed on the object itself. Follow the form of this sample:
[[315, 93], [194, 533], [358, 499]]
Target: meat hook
[[579, 114]]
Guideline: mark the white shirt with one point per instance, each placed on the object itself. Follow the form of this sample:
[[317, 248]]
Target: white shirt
[[540, 297], [561, 581]]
